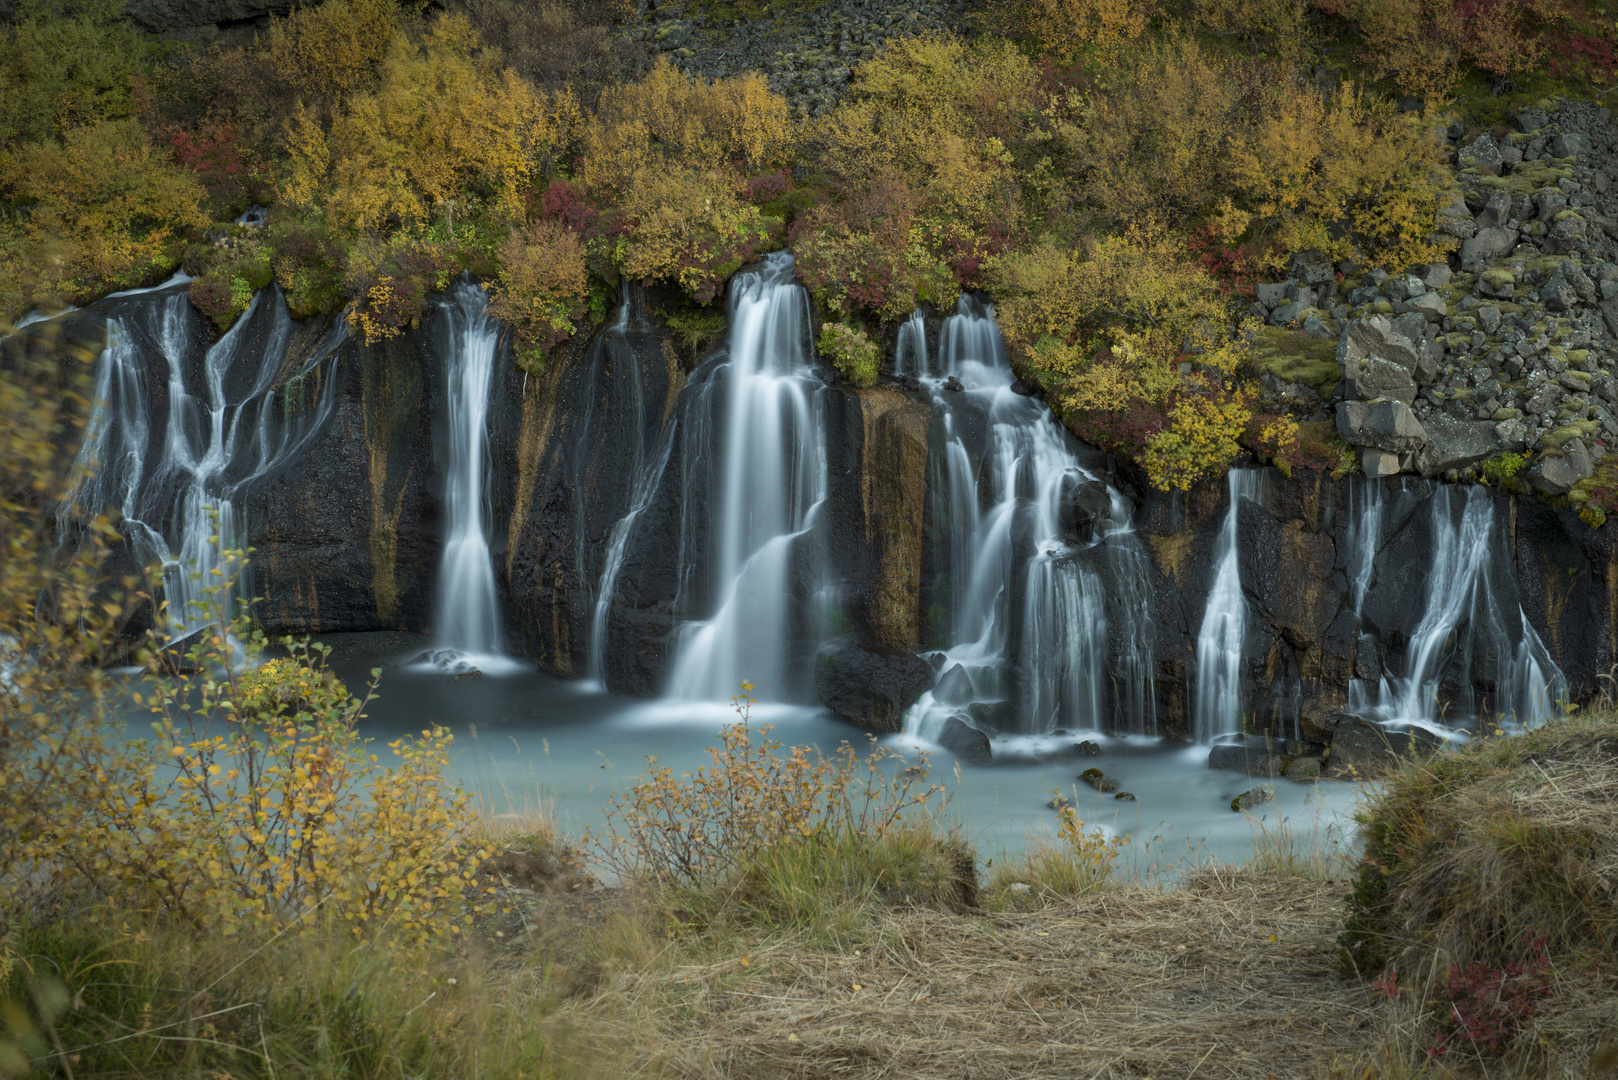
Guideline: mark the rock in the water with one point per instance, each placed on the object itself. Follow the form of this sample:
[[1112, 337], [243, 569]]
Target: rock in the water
[[1304, 768], [1087, 749], [1361, 750], [954, 687], [1455, 444], [1556, 475], [1098, 780], [1254, 759], [1125, 796], [869, 686], [1252, 797], [993, 715], [1385, 424], [965, 741]]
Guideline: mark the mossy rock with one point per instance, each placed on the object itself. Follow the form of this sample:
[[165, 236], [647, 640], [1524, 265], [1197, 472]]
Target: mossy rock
[[1578, 357], [1557, 438], [1295, 357], [1498, 278]]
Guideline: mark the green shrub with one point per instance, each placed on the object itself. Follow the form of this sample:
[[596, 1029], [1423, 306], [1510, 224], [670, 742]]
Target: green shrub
[[851, 352], [1502, 470], [543, 288]]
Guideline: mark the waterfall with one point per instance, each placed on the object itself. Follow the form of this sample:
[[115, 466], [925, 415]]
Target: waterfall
[[759, 412], [175, 453], [1039, 581], [647, 476], [1364, 536], [1224, 625], [468, 611], [1464, 623]]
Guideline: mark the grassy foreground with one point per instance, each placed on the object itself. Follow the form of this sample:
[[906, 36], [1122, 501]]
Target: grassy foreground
[[1486, 889]]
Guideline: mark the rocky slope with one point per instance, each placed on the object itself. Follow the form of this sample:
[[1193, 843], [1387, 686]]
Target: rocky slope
[[1508, 347]]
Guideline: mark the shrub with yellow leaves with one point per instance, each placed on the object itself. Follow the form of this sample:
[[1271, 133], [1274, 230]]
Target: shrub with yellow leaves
[[117, 208], [1202, 439], [445, 116], [543, 287], [851, 351], [330, 50], [697, 828], [254, 804]]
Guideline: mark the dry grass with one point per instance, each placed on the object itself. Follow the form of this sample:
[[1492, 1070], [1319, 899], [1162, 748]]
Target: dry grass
[[1229, 976]]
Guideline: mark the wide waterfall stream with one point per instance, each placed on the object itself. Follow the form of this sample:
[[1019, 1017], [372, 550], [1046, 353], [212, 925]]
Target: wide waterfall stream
[[1042, 611]]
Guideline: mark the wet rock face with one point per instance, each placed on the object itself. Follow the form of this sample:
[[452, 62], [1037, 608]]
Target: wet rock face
[[871, 687]]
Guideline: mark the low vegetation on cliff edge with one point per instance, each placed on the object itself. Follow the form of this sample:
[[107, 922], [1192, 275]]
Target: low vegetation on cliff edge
[[1112, 174]]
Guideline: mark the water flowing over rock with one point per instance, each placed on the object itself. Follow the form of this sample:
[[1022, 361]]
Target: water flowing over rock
[[468, 612], [1224, 625], [179, 433], [1029, 611]]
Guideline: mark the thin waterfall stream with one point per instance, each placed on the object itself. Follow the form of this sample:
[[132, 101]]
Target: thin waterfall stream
[[468, 633]]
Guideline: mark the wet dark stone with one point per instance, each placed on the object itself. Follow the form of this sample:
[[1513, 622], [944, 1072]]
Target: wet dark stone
[[869, 686], [965, 741]]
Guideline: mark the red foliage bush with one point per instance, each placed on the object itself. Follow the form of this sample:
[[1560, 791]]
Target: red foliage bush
[[762, 188], [566, 202], [1122, 432], [1487, 1004]]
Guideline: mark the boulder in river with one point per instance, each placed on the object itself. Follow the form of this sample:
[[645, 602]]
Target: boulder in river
[[965, 741], [869, 686]]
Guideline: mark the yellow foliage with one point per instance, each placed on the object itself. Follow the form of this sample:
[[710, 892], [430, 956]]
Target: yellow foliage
[[332, 49], [254, 804], [695, 828], [933, 109], [689, 227], [1271, 161], [122, 205], [1202, 439], [669, 117], [57, 617], [1060, 26], [1280, 21], [445, 116], [1139, 293], [542, 285]]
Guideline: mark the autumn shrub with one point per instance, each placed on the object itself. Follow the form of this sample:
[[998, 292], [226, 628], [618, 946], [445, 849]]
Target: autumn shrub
[[254, 804], [685, 226], [309, 264], [445, 117], [67, 65], [1262, 158], [925, 187], [670, 118], [1202, 440], [561, 44], [59, 612], [850, 351], [118, 207], [1423, 44], [226, 288], [327, 51], [543, 287], [1063, 27], [703, 827]]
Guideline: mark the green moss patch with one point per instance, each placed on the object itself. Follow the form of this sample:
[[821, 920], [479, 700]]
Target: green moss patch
[[1292, 356]]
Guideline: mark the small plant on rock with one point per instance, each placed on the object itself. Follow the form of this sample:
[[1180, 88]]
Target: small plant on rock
[[851, 352]]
